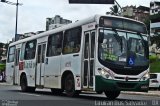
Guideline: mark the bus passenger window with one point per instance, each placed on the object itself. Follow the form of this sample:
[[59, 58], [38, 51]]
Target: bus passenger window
[[11, 54], [72, 41], [30, 50], [55, 44]]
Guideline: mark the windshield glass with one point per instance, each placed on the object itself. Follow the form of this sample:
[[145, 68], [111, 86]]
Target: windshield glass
[[122, 48]]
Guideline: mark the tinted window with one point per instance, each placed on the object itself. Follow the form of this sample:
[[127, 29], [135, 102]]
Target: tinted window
[[30, 50], [72, 41], [11, 54], [55, 44], [153, 76], [22, 52]]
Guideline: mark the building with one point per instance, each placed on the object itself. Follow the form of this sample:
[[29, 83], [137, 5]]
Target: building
[[155, 18], [154, 7], [55, 22], [26, 35], [128, 11], [140, 13], [3, 51]]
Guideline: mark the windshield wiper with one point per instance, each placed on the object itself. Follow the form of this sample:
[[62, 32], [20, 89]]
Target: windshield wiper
[[140, 35]]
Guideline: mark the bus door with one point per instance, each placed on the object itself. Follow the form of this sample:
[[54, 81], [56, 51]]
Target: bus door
[[40, 64], [10, 65], [88, 59], [16, 66]]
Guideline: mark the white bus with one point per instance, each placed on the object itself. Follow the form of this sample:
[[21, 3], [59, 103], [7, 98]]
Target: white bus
[[102, 53]]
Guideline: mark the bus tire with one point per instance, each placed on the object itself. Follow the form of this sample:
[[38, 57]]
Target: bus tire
[[69, 86], [111, 95], [23, 84], [56, 91]]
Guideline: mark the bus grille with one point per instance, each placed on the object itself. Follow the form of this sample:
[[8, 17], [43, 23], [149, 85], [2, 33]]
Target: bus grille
[[123, 71], [126, 85], [123, 78]]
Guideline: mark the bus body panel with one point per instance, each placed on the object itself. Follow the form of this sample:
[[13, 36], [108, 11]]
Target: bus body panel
[[69, 63], [29, 68], [52, 72], [49, 70], [9, 72]]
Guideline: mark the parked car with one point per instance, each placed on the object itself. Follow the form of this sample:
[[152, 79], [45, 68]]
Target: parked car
[[154, 81]]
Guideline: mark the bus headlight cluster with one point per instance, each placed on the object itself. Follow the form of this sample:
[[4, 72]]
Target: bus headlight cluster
[[104, 73], [145, 76]]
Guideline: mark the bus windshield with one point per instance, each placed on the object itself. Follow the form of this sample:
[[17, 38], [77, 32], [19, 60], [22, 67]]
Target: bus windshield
[[123, 48]]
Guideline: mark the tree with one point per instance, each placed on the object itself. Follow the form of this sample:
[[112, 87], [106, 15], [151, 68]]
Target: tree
[[114, 10], [155, 40], [147, 23]]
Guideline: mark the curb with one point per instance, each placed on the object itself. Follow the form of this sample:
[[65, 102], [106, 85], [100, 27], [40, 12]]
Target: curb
[[4, 83], [149, 93]]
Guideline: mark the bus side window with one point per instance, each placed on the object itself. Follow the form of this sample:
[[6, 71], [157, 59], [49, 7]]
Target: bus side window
[[72, 41], [11, 54], [30, 50], [54, 44], [22, 52]]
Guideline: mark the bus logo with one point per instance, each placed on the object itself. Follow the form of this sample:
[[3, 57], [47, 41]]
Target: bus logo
[[131, 61]]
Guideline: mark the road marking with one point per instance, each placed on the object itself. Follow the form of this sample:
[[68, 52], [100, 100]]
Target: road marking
[[29, 94]]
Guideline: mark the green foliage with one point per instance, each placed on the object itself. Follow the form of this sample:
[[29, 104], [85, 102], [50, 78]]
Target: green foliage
[[2, 67], [153, 17], [154, 63], [153, 58], [114, 10], [155, 67]]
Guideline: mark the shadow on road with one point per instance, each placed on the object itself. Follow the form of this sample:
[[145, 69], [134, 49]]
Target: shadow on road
[[82, 96]]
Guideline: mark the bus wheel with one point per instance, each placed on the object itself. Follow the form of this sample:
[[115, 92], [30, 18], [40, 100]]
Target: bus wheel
[[69, 86], [23, 84], [56, 91], [112, 94]]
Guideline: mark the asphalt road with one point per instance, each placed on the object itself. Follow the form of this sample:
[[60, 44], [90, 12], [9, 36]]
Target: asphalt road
[[12, 96]]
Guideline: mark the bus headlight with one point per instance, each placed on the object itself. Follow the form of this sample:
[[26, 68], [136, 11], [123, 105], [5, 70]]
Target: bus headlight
[[104, 73], [145, 76]]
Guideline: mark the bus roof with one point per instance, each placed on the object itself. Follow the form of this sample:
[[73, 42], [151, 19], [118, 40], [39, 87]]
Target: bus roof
[[68, 26]]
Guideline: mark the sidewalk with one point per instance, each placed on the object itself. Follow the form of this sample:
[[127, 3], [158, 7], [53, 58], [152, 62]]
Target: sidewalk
[[149, 93], [3, 83]]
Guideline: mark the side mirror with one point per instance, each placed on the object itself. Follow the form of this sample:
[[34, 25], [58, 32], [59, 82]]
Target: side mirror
[[101, 37]]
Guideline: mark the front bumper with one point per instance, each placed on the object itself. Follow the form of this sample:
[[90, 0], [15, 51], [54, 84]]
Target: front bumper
[[103, 84], [154, 85]]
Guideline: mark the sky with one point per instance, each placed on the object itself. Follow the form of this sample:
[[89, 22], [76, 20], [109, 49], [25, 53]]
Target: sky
[[33, 13]]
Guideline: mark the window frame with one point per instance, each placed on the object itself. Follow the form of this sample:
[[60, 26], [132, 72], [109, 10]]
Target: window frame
[[35, 42], [50, 45], [65, 42], [8, 61]]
